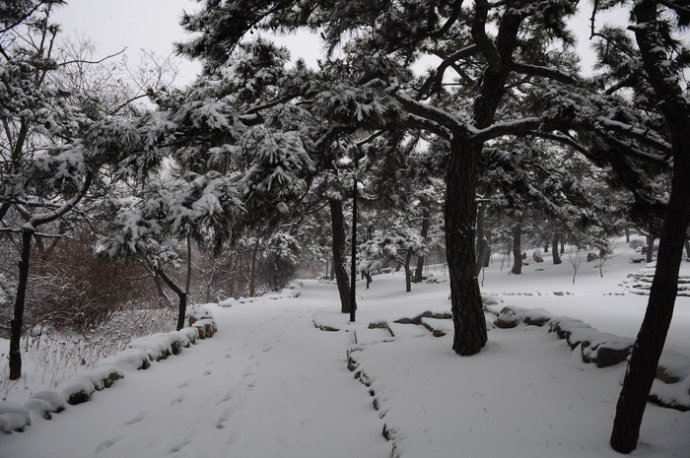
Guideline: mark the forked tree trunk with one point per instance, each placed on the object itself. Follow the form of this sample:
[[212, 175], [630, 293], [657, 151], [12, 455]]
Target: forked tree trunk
[[15, 355], [460, 214], [419, 270], [517, 250], [554, 245], [181, 297], [650, 340], [338, 247]]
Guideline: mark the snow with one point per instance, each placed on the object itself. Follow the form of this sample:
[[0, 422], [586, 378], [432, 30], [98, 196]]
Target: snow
[[270, 383], [13, 417]]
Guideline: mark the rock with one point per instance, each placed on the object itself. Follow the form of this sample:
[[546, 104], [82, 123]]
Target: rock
[[13, 417], [78, 389], [592, 256], [537, 317], [609, 356], [536, 257]]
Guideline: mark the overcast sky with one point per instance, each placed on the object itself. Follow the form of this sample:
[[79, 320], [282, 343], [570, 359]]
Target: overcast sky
[[154, 25]]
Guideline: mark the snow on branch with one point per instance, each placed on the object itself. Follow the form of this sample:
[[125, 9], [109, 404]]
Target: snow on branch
[[546, 72]]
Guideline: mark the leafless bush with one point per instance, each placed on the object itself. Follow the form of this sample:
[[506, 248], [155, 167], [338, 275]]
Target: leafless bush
[[71, 288]]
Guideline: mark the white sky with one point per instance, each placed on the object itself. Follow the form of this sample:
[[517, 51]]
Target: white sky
[[154, 25]]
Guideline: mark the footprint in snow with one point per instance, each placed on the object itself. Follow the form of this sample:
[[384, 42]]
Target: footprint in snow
[[225, 398], [208, 372], [140, 416], [223, 419], [177, 400], [178, 447], [186, 383], [107, 443]]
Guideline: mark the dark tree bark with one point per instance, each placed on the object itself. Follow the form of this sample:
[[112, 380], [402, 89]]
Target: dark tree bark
[[460, 211], [181, 296], [408, 271], [517, 250], [554, 244], [687, 247], [19, 301], [338, 247], [28, 232], [546, 246], [461, 183], [419, 270], [627, 234], [483, 249], [252, 271], [650, 247], [650, 340], [367, 276]]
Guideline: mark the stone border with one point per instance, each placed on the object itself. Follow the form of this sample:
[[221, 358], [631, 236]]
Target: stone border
[[139, 355]]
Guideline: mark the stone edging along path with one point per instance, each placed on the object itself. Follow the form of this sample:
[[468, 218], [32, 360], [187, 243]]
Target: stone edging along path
[[139, 355]]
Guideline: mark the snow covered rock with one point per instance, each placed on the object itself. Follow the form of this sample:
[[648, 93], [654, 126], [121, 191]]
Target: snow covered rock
[[13, 417], [537, 317], [46, 403], [673, 367], [293, 289], [674, 395], [206, 327], [509, 317], [606, 349], [131, 358], [199, 313], [191, 333], [156, 346], [107, 374], [77, 389]]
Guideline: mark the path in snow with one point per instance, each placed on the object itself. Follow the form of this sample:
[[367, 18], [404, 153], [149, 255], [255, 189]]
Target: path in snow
[[267, 385]]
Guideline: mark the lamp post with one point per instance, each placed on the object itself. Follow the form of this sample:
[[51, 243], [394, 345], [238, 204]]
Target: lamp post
[[353, 267]]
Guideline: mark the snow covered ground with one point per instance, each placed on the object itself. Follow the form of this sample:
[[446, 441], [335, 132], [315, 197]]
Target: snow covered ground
[[270, 384]]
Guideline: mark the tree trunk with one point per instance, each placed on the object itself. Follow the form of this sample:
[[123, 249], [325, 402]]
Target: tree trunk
[[338, 247], [15, 355], [554, 246], [419, 269], [460, 214], [252, 272], [408, 271], [627, 234], [482, 246], [181, 296], [650, 340], [517, 250], [562, 240], [687, 247], [650, 247], [546, 246], [159, 289]]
